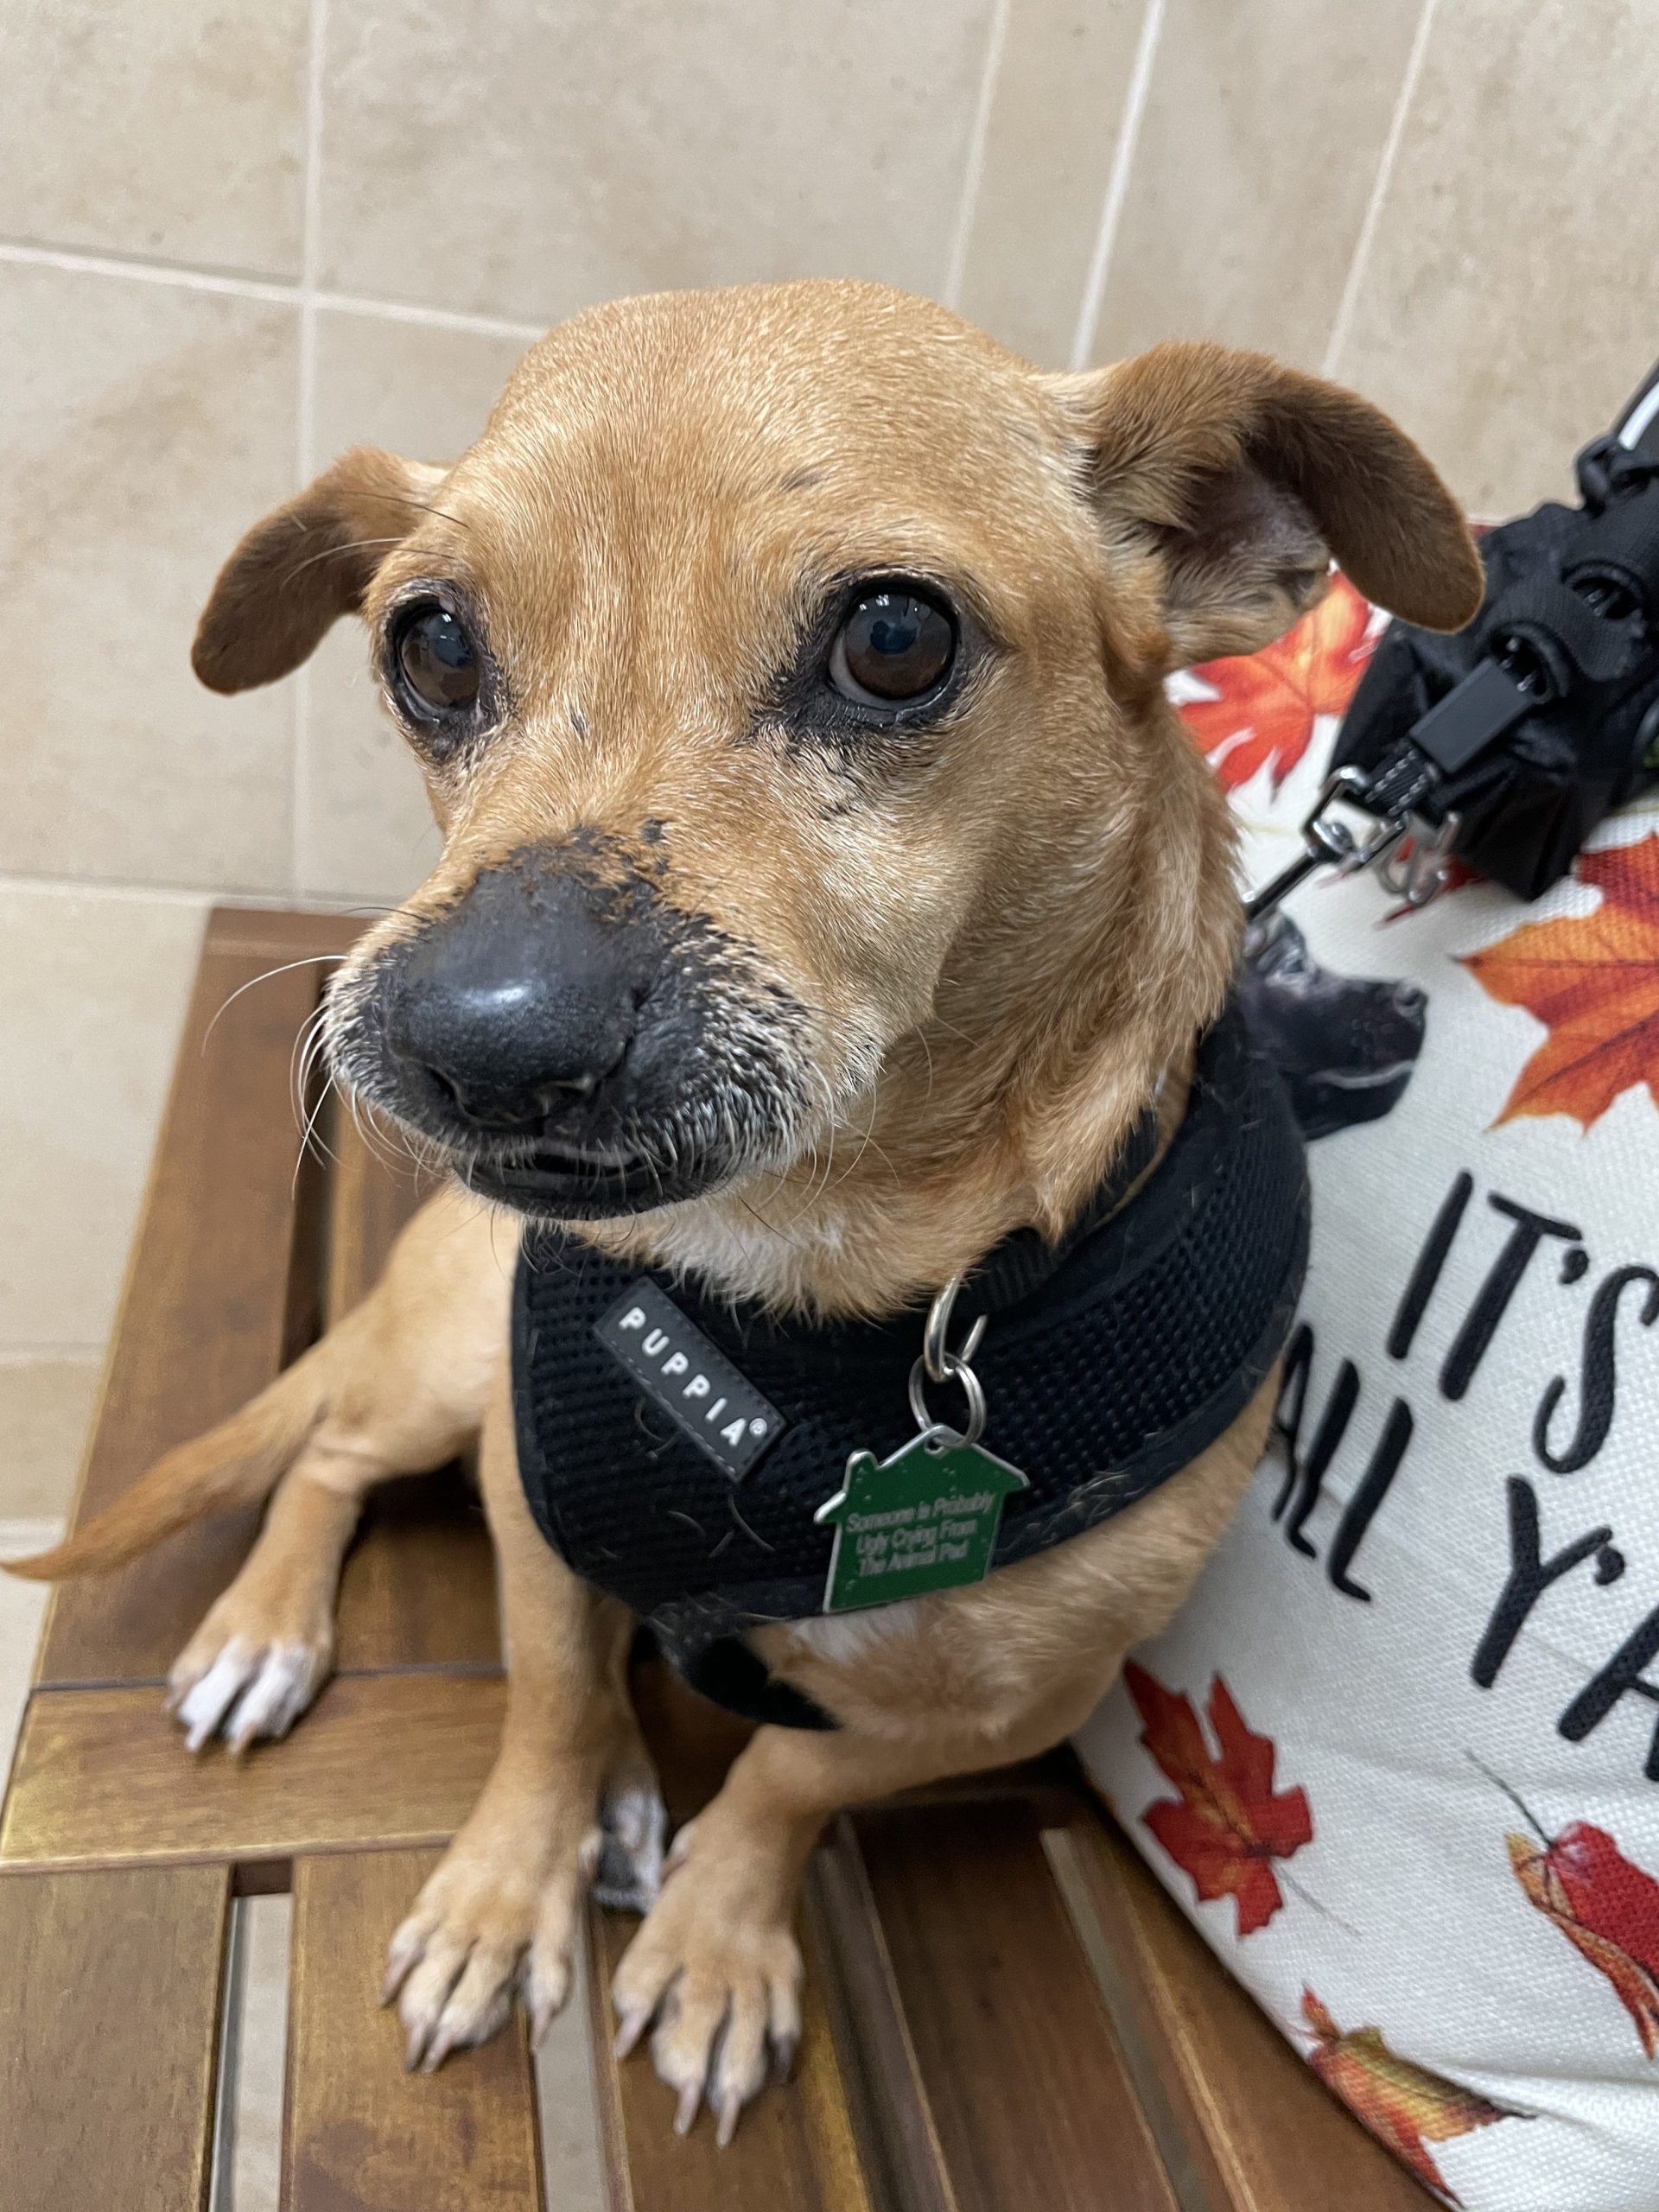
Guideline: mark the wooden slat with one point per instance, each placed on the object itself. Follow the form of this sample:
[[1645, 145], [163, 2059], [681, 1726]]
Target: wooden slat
[[360, 2134], [210, 1290], [1268, 2127], [273, 934], [890, 2104], [101, 1776], [897, 2135], [370, 1200], [418, 1587], [1160, 2089], [109, 2039], [1030, 2100], [795, 2150]]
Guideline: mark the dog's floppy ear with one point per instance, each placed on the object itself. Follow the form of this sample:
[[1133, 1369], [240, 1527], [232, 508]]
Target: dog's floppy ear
[[1240, 477], [305, 565]]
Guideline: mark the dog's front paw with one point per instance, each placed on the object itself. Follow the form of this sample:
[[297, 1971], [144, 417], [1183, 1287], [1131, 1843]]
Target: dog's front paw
[[498, 1916], [244, 1676], [717, 1968]]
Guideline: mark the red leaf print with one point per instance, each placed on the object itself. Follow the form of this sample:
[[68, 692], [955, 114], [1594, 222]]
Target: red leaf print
[[1605, 1905], [1228, 1824], [1594, 980], [1267, 703]]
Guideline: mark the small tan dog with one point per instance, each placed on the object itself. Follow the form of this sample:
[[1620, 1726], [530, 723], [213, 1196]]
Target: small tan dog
[[828, 889]]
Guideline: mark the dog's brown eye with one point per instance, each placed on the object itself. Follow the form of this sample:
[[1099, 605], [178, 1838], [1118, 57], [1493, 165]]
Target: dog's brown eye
[[436, 660], [893, 647]]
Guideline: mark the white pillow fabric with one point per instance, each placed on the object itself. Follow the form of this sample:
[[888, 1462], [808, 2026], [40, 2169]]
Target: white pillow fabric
[[1398, 1756]]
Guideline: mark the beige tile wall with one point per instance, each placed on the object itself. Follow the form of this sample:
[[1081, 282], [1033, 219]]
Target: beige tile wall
[[239, 235]]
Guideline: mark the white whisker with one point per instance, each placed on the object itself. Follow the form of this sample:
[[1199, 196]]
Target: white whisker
[[311, 959]]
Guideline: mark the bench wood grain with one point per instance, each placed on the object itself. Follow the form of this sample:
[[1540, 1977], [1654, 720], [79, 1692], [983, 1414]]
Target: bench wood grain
[[1268, 2132], [1005, 2018], [109, 2058], [102, 1776], [794, 2152], [208, 1309], [360, 2133]]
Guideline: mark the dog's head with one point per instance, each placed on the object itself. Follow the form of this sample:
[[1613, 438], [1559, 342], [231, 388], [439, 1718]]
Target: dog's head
[[1346, 1045], [785, 666]]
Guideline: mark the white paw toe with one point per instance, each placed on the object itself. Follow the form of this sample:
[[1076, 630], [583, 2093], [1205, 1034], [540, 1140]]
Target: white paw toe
[[248, 1691], [201, 1706], [286, 1681]]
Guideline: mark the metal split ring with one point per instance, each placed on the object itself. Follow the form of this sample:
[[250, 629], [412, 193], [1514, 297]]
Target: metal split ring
[[937, 1355], [938, 1363], [940, 1433]]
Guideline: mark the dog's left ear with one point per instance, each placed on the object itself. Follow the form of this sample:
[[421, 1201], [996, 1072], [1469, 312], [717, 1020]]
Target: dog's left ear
[[1240, 478]]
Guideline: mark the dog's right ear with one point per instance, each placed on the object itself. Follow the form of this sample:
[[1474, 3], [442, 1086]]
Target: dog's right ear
[[305, 565]]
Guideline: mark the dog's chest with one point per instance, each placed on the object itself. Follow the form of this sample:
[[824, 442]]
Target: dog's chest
[[686, 1456]]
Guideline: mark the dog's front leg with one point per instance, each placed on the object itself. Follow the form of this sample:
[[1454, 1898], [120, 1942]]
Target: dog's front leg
[[400, 1383], [499, 1911], [716, 1965], [267, 1643]]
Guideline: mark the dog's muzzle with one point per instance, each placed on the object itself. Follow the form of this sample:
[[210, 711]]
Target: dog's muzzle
[[576, 1044]]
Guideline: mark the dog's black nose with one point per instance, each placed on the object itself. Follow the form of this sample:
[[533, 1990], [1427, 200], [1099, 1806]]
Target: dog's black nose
[[520, 1003]]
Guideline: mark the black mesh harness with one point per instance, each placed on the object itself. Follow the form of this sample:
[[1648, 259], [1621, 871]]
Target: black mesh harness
[[1111, 1363]]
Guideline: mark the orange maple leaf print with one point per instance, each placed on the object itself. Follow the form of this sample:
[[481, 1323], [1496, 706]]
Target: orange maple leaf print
[[1403, 2104], [1266, 703], [1594, 980], [1229, 1824]]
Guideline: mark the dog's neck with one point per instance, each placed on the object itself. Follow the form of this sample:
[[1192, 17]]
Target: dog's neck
[[1068, 1011]]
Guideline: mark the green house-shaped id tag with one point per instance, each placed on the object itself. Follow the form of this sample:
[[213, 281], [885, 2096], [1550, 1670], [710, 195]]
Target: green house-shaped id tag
[[926, 1519]]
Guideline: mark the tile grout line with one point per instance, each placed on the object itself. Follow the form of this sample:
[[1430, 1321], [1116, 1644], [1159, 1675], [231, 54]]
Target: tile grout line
[[305, 412], [310, 242], [973, 171], [472, 326], [18, 1353], [122, 887], [258, 898], [1348, 304], [184, 277], [1117, 184], [78, 261]]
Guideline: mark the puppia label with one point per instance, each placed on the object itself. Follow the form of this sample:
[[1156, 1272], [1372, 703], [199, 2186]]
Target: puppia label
[[680, 1370], [926, 1519]]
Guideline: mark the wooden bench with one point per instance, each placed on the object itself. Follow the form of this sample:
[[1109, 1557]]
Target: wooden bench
[[1004, 2010]]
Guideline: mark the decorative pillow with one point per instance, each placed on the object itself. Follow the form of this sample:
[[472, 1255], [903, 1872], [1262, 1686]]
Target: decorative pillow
[[1398, 1757]]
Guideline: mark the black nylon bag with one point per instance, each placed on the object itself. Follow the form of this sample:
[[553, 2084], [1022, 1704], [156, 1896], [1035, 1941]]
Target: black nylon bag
[[1572, 610]]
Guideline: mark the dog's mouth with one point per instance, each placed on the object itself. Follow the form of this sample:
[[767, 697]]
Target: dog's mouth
[[1376, 1078], [577, 1181], [573, 1048]]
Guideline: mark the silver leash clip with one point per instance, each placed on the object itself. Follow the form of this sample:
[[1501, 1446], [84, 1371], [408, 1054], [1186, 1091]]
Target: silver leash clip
[[1329, 840], [1417, 870]]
